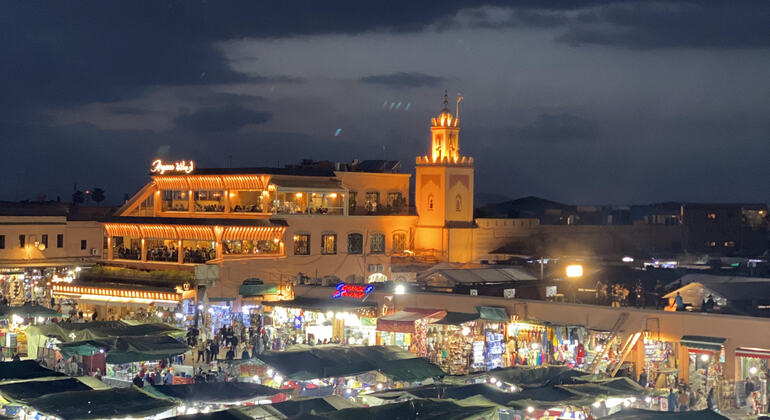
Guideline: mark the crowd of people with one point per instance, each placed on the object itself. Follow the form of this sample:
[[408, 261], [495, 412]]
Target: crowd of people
[[167, 253]]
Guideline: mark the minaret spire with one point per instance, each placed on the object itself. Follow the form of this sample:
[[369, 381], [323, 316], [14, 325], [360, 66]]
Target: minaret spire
[[446, 99]]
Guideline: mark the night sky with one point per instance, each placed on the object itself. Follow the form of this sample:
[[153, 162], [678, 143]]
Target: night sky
[[576, 101]]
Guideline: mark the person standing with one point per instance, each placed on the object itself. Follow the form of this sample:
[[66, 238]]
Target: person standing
[[201, 351], [679, 302], [672, 400], [643, 378], [683, 400]]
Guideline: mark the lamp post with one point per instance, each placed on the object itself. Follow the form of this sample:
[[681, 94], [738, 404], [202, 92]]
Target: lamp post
[[574, 271]]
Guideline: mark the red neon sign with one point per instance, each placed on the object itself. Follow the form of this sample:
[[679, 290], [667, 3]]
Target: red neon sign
[[352, 291]]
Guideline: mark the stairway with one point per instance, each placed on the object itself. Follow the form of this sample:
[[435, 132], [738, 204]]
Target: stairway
[[594, 365], [627, 347]]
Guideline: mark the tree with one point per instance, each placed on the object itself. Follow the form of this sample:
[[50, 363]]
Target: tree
[[78, 197], [97, 195]]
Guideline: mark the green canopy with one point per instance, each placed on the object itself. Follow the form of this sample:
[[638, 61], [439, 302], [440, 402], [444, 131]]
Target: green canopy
[[27, 390], [639, 414], [457, 318], [215, 392], [127, 349], [294, 408], [522, 376], [109, 403], [304, 363], [702, 342], [73, 331], [28, 311], [416, 409], [615, 387], [248, 290], [25, 369], [493, 313], [231, 414]]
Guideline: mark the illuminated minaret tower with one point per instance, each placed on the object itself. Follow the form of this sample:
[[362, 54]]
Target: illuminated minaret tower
[[444, 191]]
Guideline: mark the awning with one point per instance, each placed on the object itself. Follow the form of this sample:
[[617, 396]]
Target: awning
[[109, 403], [248, 290], [326, 305], [493, 313], [403, 321], [121, 350], [457, 318], [752, 352], [28, 311], [697, 342]]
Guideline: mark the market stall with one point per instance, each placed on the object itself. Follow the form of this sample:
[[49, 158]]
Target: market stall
[[754, 365], [408, 329], [15, 322], [450, 341], [705, 370]]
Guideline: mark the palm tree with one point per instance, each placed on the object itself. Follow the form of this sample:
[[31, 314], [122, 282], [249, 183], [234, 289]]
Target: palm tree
[[97, 195]]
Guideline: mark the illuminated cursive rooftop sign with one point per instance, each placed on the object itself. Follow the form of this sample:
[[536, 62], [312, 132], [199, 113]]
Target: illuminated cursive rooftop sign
[[352, 291], [183, 166]]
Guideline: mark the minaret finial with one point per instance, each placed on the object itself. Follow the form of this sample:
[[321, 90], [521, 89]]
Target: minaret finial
[[446, 99]]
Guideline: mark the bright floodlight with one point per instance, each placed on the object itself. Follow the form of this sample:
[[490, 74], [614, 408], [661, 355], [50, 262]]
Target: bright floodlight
[[400, 289], [628, 260], [574, 270]]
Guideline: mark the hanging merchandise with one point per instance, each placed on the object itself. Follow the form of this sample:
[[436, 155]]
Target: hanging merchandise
[[494, 350], [477, 354]]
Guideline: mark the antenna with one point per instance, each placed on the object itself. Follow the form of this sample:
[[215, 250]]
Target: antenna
[[457, 110]]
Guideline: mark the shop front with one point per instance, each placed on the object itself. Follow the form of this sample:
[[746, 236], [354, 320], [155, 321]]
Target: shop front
[[754, 367], [408, 329], [317, 321], [661, 362], [450, 341], [706, 369]]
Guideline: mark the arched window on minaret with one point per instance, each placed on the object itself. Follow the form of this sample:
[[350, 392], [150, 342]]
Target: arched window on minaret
[[430, 202], [458, 203]]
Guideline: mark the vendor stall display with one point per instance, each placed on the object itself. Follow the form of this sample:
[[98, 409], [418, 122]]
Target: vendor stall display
[[450, 342], [661, 363]]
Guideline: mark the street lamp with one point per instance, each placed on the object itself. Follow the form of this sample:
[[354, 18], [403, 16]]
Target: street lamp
[[400, 289], [574, 271]]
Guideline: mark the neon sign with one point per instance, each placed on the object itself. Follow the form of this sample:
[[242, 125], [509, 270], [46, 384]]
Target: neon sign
[[160, 167], [352, 291]]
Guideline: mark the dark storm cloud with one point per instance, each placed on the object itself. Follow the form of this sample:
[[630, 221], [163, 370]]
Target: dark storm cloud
[[560, 127], [218, 119], [403, 80]]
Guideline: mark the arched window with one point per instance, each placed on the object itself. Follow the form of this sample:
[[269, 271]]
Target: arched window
[[430, 202], [458, 203], [399, 242], [355, 243]]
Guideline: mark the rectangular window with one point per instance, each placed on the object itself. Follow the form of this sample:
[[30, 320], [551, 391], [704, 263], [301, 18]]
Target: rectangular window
[[399, 242], [44, 240], [83, 244], [372, 200], [302, 244], [175, 200], [60, 241], [355, 244], [377, 243], [329, 244], [22, 240], [209, 200], [2, 241], [353, 196], [395, 200]]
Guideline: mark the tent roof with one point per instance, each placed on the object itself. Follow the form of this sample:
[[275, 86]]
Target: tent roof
[[639, 414], [293, 408], [28, 311], [403, 321], [484, 275], [25, 369], [231, 414], [24, 391], [99, 329], [524, 376], [110, 403], [423, 409], [457, 318], [216, 392], [127, 349], [337, 361]]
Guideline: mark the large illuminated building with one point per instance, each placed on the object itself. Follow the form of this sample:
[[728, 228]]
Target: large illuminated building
[[339, 222]]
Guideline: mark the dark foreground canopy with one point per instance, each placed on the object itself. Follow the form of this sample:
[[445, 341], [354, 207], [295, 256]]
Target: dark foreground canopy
[[639, 414], [231, 414], [73, 331], [25, 369], [216, 392], [27, 311], [454, 392], [109, 403], [25, 391], [293, 408], [416, 409], [338, 361], [127, 349], [524, 376]]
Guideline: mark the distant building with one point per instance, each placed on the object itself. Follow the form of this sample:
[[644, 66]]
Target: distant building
[[725, 229]]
